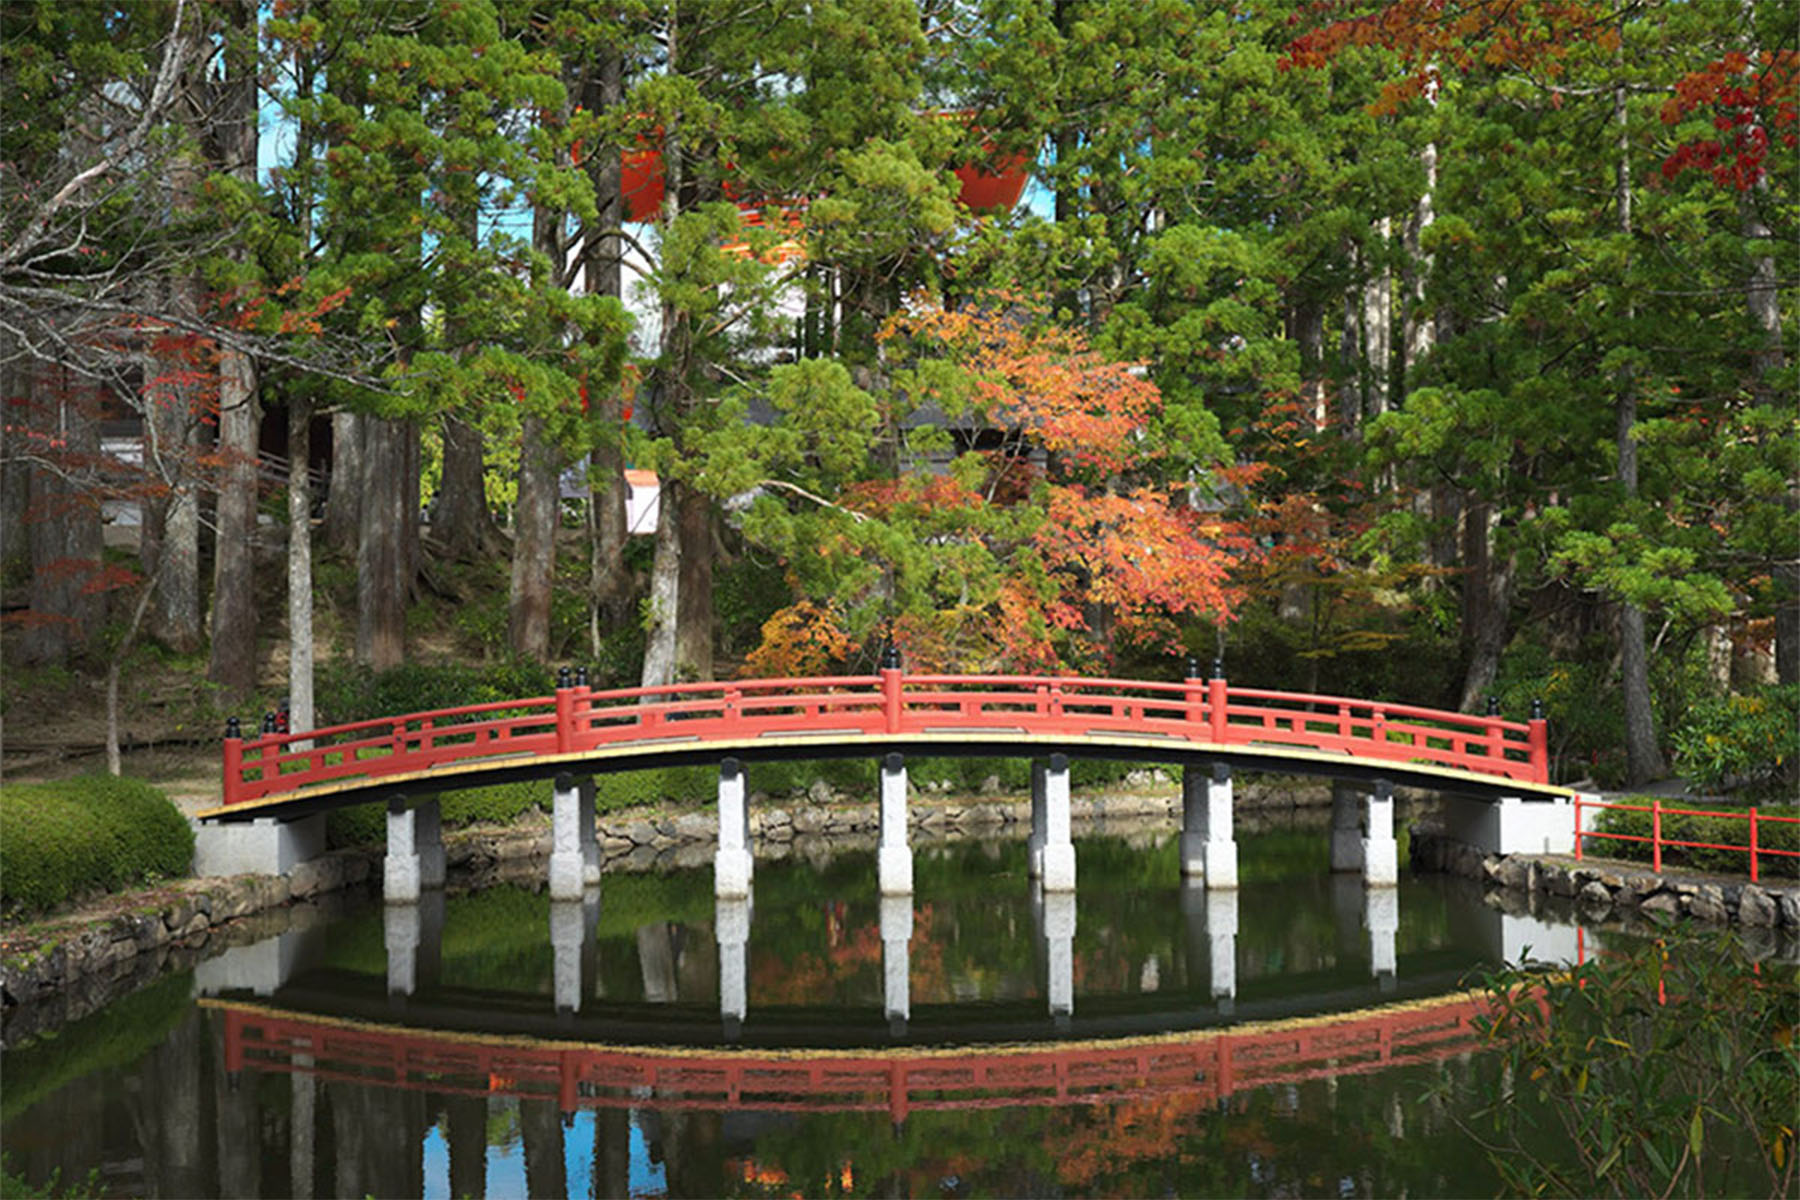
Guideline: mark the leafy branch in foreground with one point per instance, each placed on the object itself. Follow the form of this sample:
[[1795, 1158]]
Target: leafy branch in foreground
[[1667, 1068]]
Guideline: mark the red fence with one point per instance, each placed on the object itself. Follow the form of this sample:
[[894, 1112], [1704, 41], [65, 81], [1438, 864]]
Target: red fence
[[1754, 823], [1212, 1064], [577, 719]]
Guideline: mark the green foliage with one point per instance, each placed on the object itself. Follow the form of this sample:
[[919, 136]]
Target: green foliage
[[59, 841], [1741, 740], [1731, 829], [351, 693], [500, 804], [1665, 1068]]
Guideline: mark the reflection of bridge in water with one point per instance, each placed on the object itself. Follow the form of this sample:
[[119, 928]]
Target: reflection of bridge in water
[[1208, 1066], [286, 972]]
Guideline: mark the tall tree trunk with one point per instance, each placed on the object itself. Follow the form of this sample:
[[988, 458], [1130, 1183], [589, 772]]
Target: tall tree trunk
[[1418, 328], [694, 598], [64, 526], [676, 353], [343, 497], [1306, 325], [15, 472], [1350, 352], [1487, 594], [175, 614], [299, 564], [1643, 757], [461, 524], [609, 584], [534, 542], [1763, 301], [173, 547], [232, 664], [665, 584], [1377, 328], [381, 587]]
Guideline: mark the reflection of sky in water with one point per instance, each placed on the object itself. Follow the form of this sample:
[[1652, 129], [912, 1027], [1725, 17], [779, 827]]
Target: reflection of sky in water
[[647, 1178], [506, 1163]]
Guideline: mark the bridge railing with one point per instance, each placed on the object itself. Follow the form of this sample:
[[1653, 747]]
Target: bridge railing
[[577, 720], [1371, 729]]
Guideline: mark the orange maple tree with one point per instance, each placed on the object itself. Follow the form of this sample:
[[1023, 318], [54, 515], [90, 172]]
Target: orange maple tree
[[1049, 530]]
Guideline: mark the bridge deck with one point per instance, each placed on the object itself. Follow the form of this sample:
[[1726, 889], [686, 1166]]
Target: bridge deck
[[579, 730]]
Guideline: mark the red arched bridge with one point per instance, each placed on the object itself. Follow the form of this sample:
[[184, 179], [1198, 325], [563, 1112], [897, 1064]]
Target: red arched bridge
[[578, 729], [1210, 1065]]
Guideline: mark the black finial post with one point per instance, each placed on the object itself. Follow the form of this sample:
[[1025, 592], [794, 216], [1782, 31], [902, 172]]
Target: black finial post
[[1193, 667], [234, 728], [1493, 709], [1537, 708], [268, 725], [581, 676], [562, 678], [890, 656], [1218, 668]]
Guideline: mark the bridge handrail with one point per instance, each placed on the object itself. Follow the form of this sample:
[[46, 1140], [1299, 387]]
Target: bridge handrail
[[655, 692], [578, 719], [1415, 711], [1038, 681], [1753, 818]]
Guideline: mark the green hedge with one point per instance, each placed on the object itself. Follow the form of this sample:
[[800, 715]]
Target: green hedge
[[61, 840], [1682, 828]]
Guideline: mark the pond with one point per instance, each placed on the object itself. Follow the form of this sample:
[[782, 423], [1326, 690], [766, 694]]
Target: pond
[[1304, 1035]]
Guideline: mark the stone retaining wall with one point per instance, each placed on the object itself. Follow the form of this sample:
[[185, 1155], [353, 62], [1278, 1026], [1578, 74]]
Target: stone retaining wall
[[1603, 888], [63, 971]]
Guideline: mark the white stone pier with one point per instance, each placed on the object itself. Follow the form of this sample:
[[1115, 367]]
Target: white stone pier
[[894, 861], [574, 845], [264, 846], [896, 960], [414, 937], [1056, 915], [1208, 846], [414, 863], [572, 925], [733, 865], [1210, 916], [731, 926], [1052, 851], [1381, 914], [1362, 832]]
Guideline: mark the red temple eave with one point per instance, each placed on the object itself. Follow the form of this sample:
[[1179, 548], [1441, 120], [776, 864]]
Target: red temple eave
[[995, 186]]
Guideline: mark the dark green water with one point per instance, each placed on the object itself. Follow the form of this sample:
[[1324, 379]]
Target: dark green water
[[418, 1051]]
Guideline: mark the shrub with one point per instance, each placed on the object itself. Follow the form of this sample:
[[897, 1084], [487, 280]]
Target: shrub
[[1730, 828], [500, 804], [350, 693], [1750, 740], [1666, 1067], [95, 833]]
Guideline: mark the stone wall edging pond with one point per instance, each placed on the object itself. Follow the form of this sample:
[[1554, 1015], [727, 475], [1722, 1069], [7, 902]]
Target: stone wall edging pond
[[77, 968], [68, 970], [1599, 888]]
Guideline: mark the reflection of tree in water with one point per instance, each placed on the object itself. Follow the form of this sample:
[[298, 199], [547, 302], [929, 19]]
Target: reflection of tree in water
[[1310, 1138]]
